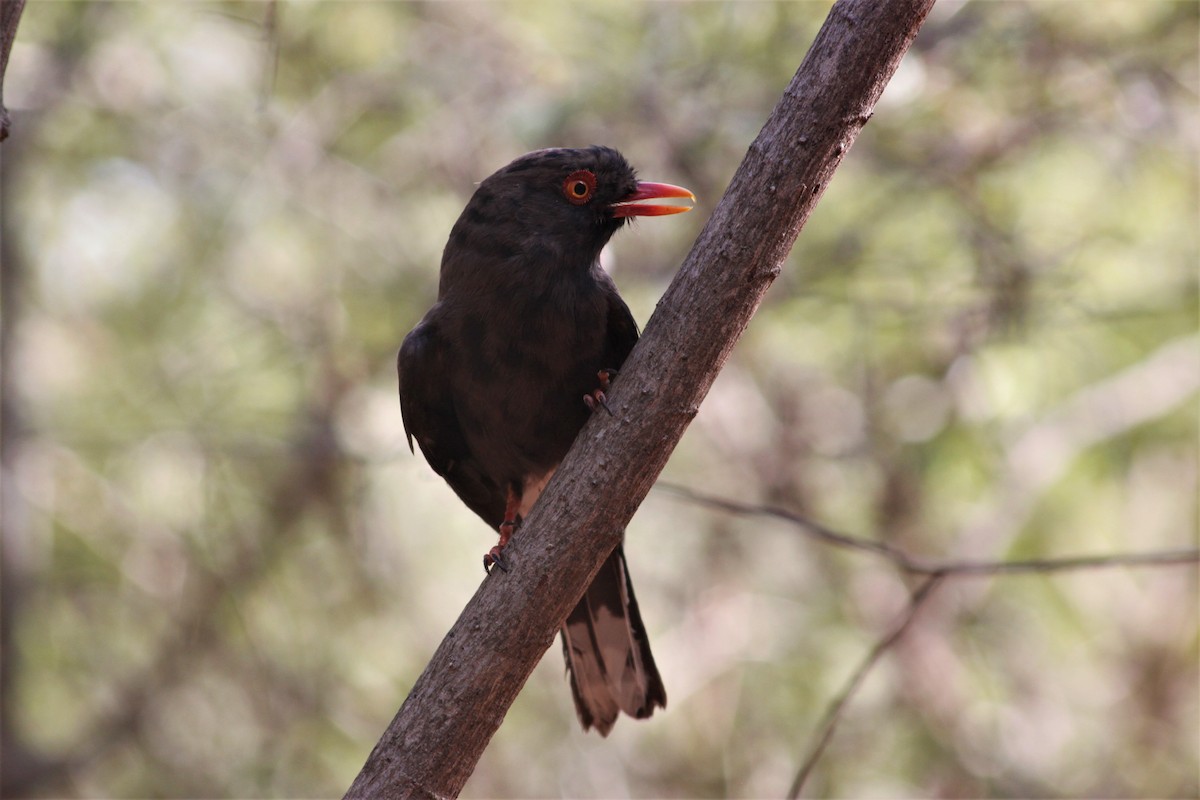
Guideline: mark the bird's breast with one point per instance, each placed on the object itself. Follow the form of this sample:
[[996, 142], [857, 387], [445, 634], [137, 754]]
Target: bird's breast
[[523, 369]]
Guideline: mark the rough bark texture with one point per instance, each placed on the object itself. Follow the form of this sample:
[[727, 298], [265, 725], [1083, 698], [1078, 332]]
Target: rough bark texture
[[435, 740], [10, 15]]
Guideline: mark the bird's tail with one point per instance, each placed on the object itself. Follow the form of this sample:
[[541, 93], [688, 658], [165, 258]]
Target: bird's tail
[[608, 656]]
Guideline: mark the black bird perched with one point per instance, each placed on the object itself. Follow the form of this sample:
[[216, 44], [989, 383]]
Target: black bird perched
[[503, 371]]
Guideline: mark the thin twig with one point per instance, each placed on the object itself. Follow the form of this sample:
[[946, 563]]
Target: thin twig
[[935, 571], [271, 37], [917, 565], [834, 713], [811, 528]]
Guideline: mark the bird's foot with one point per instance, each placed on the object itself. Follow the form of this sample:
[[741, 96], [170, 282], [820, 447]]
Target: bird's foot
[[597, 399], [495, 556]]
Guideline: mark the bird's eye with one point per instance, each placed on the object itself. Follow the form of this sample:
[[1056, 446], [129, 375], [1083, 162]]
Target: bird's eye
[[579, 186]]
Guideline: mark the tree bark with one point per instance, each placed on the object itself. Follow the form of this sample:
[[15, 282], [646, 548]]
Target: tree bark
[[433, 743], [10, 15]]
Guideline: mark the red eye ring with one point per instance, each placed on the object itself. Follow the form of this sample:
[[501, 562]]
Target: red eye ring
[[579, 186]]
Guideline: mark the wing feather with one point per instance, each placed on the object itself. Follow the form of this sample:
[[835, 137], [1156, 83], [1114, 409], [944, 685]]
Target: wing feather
[[427, 409]]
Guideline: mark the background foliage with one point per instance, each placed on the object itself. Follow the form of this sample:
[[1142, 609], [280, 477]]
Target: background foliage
[[223, 569]]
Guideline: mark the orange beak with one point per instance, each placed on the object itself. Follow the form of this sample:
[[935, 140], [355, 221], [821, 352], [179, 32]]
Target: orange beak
[[632, 206]]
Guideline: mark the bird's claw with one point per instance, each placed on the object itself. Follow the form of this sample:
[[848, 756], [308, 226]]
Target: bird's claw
[[494, 558], [597, 400]]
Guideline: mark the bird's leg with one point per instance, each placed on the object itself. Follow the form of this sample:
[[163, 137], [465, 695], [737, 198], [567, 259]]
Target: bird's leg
[[598, 398], [512, 501]]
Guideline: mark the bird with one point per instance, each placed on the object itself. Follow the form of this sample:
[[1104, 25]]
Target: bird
[[502, 372]]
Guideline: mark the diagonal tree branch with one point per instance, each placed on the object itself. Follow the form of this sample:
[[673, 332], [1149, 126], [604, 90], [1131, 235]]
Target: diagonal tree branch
[[432, 745]]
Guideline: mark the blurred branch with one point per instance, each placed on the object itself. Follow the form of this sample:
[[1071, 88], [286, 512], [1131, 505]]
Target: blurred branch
[[1041, 453], [270, 34], [10, 17], [1038, 457], [917, 565], [432, 745], [1143, 392], [833, 714], [935, 572], [811, 527], [309, 478], [18, 761]]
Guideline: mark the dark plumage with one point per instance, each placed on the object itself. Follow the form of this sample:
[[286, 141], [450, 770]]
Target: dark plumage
[[493, 380]]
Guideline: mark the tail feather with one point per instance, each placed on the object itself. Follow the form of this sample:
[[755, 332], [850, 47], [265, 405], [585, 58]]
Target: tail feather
[[608, 655]]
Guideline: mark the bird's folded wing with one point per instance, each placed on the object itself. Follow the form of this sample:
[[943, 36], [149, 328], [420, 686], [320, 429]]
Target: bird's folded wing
[[427, 409]]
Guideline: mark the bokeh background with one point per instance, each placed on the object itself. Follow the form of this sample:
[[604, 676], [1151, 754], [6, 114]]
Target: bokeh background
[[223, 569]]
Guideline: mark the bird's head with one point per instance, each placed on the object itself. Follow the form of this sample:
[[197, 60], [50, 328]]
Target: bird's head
[[593, 187], [558, 206]]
